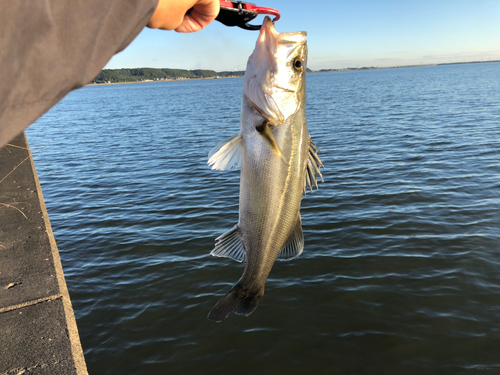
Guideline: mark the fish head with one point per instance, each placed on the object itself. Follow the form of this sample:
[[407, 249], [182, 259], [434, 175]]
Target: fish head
[[274, 81]]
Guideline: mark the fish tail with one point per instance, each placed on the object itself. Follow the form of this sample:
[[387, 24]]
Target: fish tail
[[240, 300]]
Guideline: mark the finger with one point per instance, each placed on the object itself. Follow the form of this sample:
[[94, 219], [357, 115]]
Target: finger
[[201, 15]]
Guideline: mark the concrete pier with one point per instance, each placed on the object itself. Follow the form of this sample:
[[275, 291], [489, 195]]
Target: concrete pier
[[38, 332]]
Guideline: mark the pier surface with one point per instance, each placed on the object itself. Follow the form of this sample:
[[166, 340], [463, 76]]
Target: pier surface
[[38, 333]]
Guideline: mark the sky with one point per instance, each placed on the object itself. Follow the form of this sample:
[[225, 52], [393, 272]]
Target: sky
[[341, 34]]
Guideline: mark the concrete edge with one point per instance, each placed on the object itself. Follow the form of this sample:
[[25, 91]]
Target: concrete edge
[[74, 337]]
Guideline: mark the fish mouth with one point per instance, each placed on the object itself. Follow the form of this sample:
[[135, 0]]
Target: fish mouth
[[268, 36], [272, 38]]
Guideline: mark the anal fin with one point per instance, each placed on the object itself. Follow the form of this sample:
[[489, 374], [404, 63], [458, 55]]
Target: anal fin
[[230, 245]]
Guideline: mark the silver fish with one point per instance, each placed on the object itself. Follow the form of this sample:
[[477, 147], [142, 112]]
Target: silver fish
[[278, 163]]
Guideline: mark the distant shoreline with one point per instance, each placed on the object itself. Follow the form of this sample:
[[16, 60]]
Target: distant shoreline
[[311, 71], [402, 66], [132, 75], [158, 80]]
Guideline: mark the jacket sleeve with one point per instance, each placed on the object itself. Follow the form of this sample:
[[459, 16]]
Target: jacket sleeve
[[50, 47]]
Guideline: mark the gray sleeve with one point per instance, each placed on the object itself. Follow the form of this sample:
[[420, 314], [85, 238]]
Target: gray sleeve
[[50, 47]]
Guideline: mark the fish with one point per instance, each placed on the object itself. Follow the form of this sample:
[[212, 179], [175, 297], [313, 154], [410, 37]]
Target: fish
[[278, 162]]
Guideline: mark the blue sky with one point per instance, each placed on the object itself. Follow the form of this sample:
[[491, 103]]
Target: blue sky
[[341, 34]]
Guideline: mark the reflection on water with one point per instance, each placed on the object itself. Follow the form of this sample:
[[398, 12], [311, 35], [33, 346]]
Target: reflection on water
[[400, 272]]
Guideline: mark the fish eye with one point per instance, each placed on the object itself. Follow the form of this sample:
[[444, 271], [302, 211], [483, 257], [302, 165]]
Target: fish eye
[[298, 64]]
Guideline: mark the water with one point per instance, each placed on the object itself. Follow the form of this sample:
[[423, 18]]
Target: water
[[401, 267]]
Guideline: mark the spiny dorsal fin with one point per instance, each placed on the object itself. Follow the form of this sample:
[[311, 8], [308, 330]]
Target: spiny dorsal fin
[[313, 166], [229, 245], [227, 154], [295, 243]]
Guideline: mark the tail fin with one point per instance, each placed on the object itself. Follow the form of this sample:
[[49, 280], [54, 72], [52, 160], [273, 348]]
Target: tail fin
[[240, 300]]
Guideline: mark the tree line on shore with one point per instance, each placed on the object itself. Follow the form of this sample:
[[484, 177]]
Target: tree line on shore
[[152, 74]]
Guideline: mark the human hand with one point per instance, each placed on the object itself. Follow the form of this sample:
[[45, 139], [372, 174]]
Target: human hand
[[173, 15]]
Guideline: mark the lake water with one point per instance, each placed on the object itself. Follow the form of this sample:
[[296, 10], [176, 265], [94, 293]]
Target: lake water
[[401, 268]]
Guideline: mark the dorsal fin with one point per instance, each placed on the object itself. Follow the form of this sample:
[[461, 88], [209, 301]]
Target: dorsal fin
[[295, 243], [313, 166]]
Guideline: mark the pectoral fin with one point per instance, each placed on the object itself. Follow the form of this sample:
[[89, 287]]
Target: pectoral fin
[[265, 131], [227, 154], [295, 244]]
